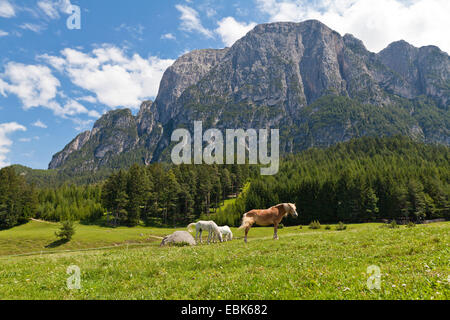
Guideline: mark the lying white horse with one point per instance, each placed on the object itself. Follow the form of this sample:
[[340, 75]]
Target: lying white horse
[[227, 235], [210, 226]]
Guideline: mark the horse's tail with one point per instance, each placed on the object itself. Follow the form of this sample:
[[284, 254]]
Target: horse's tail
[[190, 226], [246, 221]]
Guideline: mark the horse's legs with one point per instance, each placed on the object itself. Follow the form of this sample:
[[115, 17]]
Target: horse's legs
[[275, 231], [246, 232]]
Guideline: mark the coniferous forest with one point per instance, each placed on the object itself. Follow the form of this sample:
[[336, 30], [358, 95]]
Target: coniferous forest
[[363, 180], [18, 199]]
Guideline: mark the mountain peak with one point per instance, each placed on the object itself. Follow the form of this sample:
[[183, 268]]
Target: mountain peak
[[318, 87], [400, 46], [354, 42], [286, 27]]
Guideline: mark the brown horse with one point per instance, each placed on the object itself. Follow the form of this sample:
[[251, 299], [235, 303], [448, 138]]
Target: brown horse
[[267, 217]]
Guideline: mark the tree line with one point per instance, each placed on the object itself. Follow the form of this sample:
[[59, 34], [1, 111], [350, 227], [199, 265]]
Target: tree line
[[70, 202], [169, 196], [365, 179]]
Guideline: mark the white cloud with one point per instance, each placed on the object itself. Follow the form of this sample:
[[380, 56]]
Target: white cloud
[[81, 125], [33, 84], [116, 79], [40, 124], [3, 33], [73, 107], [89, 99], [55, 62], [231, 30], [49, 8], [168, 36], [32, 27], [190, 21], [6, 9], [420, 22], [5, 142], [52, 8], [36, 86]]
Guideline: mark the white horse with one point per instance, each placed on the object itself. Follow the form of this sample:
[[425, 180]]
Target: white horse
[[210, 226], [226, 233]]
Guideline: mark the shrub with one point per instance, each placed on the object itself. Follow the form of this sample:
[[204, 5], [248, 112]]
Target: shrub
[[341, 226], [301, 227], [280, 226], [314, 225], [393, 225], [66, 231], [327, 228], [410, 224]]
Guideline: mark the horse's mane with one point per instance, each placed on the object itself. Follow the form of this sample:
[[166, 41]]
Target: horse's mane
[[284, 207], [214, 226]]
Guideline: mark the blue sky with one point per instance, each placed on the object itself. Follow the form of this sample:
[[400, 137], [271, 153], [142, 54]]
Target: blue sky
[[55, 82]]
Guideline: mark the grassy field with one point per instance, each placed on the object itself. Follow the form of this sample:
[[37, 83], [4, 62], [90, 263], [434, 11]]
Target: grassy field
[[303, 264], [37, 237]]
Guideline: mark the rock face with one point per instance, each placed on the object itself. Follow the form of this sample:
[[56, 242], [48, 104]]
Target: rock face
[[318, 87], [419, 71], [181, 237], [185, 72], [75, 145], [117, 138]]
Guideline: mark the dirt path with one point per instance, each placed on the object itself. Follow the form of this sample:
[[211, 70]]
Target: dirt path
[[42, 221]]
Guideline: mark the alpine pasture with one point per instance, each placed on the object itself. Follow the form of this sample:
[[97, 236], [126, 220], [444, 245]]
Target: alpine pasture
[[127, 263]]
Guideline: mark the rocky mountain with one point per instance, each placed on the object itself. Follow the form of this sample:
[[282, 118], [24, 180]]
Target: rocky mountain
[[317, 86]]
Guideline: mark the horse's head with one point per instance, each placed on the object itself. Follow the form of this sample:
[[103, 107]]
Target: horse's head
[[293, 210]]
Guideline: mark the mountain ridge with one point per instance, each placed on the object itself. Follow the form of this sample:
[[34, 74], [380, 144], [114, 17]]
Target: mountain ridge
[[270, 78]]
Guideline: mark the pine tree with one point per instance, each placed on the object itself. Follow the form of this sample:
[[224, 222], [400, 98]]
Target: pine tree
[[67, 231], [138, 192]]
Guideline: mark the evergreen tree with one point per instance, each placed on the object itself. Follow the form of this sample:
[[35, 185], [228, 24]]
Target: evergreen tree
[[138, 192], [66, 231]]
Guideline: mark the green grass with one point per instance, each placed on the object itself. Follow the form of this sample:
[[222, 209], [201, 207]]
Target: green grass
[[229, 202], [303, 264], [38, 236]]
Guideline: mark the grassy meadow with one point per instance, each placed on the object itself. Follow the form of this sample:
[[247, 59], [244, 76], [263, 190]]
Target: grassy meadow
[[304, 264]]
